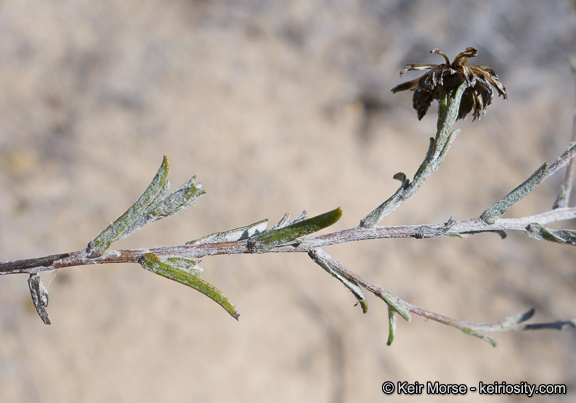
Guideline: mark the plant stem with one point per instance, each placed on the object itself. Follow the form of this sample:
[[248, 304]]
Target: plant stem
[[449, 106]]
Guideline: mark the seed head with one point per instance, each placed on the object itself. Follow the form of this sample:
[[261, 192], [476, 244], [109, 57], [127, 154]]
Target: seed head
[[444, 77]]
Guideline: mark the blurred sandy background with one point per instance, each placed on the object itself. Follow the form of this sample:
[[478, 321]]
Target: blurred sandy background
[[276, 107]]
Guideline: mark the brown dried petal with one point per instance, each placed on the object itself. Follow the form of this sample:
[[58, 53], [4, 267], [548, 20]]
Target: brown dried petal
[[468, 74], [421, 101], [427, 81], [438, 75], [479, 106], [498, 85], [408, 85], [416, 66], [485, 91], [483, 98], [439, 52], [463, 57], [466, 104], [491, 77]]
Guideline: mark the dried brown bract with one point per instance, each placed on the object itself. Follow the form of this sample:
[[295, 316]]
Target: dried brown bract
[[444, 77]]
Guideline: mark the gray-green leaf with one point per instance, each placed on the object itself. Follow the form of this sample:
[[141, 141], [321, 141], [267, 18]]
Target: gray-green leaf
[[281, 236], [175, 272], [121, 227]]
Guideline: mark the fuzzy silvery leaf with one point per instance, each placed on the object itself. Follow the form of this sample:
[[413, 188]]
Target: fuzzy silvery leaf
[[122, 226], [232, 235]]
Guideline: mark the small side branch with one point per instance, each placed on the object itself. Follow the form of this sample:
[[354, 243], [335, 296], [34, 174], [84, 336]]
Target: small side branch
[[448, 109]]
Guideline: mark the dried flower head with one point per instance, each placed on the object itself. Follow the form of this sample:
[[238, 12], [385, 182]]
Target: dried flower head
[[444, 77]]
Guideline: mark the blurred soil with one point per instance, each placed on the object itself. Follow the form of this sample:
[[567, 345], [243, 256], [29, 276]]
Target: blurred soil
[[276, 107]]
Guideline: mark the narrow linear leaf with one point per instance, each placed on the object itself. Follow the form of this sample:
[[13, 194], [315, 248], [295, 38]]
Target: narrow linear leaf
[[514, 320], [153, 263], [188, 265], [232, 235], [331, 266], [39, 295], [475, 333], [561, 236], [119, 228], [283, 222], [267, 240], [394, 302], [391, 325], [557, 325], [286, 221], [166, 205], [182, 198], [303, 215], [503, 325], [498, 209], [463, 235], [562, 198], [509, 322]]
